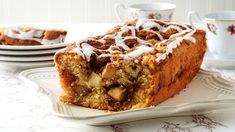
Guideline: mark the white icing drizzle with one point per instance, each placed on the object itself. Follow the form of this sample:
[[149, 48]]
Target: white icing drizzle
[[179, 34], [139, 23], [85, 50], [147, 24], [119, 39], [105, 37], [79, 52], [174, 44], [60, 39], [23, 35], [104, 55], [139, 51], [190, 37], [33, 34], [174, 27], [151, 24]]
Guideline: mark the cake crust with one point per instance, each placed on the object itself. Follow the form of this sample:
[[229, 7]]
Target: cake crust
[[136, 65]]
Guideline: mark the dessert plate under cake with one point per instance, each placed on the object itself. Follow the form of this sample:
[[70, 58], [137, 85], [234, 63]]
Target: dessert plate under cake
[[28, 52], [37, 47], [207, 92]]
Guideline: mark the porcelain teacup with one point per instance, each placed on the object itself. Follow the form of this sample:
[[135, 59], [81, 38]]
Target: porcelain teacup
[[220, 29], [150, 10]]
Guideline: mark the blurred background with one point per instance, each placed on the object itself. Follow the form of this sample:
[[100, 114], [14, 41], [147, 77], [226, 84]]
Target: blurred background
[[92, 11]]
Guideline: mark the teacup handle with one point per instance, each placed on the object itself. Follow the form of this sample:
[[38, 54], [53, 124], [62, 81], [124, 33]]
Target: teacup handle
[[117, 6], [190, 17]]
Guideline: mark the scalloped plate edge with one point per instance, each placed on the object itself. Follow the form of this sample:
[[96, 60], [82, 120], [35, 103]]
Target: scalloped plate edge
[[179, 110]]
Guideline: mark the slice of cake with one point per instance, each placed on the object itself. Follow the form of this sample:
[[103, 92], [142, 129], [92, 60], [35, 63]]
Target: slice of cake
[[31, 36], [136, 65]]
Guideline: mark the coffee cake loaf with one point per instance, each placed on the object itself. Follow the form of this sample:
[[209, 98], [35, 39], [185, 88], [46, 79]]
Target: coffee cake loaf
[[135, 65]]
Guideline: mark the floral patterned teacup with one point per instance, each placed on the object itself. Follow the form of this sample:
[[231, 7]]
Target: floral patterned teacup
[[150, 10], [220, 29]]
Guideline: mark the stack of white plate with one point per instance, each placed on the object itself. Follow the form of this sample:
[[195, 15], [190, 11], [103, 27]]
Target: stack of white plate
[[28, 56], [23, 57]]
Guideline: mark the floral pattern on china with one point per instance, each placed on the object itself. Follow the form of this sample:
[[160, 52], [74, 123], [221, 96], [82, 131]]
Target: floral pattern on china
[[134, 15], [157, 16], [146, 10], [231, 29], [212, 28]]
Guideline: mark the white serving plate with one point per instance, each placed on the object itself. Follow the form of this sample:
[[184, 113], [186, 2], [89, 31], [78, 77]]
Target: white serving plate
[[36, 47], [25, 65], [28, 52], [27, 58], [207, 92]]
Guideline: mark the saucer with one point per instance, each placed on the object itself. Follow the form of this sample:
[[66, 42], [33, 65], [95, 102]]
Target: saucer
[[212, 62]]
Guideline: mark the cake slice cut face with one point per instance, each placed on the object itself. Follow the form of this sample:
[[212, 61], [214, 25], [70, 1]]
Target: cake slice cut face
[[136, 65]]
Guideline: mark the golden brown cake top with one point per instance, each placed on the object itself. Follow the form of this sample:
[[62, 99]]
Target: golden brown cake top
[[43, 36], [135, 38]]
